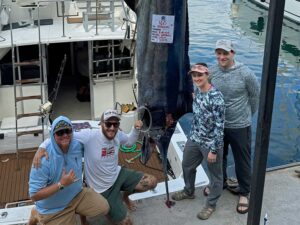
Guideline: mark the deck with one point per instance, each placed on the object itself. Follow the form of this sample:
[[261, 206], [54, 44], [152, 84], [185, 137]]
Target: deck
[[153, 166], [14, 183]]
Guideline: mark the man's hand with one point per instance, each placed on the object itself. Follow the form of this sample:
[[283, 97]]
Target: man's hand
[[138, 124], [41, 152], [211, 158], [67, 179]]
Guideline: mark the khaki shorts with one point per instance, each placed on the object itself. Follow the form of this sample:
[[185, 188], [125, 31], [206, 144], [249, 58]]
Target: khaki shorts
[[86, 203], [126, 181]]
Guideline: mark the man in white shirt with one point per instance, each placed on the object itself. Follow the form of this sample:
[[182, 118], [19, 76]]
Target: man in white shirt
[[102, 172]]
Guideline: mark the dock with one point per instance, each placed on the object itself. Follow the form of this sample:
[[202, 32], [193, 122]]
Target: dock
[[280, 203]]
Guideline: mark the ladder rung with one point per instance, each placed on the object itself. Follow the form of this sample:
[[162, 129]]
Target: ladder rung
[[28, 63], [27, 149], [28, 97], [29, 114], [27, 81], [29, 132], [99, 13]]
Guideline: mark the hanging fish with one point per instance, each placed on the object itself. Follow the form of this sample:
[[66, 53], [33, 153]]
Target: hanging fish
[[162, 66], [163, 85]]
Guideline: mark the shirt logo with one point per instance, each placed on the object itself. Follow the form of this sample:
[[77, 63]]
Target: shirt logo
[[106, 152]]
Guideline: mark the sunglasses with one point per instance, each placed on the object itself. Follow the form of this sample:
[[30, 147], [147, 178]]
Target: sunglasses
[[109, 124], [197, 74], [62, 132]]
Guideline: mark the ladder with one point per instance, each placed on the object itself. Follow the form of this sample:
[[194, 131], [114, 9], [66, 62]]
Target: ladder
[[20, 84], [100, 10]]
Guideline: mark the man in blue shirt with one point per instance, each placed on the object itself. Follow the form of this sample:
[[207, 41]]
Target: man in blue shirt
[[56, 187]]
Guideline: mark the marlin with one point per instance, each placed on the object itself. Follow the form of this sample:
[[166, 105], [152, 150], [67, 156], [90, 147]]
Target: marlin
[[163, 84]]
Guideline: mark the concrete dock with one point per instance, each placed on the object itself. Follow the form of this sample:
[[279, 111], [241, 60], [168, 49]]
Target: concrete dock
[[281, 203]]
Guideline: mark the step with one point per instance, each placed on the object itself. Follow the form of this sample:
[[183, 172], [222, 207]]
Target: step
[[29, 115], [27, 81], [25, 150], [28, 63], [35, 132], [99, 13], [28, 97]]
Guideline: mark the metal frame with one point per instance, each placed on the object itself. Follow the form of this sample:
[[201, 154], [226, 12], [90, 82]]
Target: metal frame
[[41, 78]]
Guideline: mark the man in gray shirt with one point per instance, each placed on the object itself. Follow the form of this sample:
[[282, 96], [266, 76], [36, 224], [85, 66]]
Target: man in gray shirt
[[240, 89]]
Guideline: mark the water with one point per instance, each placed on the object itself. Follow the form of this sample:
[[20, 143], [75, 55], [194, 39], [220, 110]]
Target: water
[[245, 24]]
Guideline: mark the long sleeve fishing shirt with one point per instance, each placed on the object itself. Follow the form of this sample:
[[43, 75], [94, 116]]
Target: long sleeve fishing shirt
[[208, 119], [240, 90]]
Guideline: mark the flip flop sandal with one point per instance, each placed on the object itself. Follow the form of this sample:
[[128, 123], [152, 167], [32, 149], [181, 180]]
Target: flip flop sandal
[[245, 205], [206, 191]]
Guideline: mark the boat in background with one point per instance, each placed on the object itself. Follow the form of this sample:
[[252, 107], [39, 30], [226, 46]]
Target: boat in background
[[18, 212], [291, 10], [255, 28], [107, 51]]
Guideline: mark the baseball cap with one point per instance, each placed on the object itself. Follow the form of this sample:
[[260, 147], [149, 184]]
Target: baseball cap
[[198, 68], [224, 44], [109, 113], [62, 125]]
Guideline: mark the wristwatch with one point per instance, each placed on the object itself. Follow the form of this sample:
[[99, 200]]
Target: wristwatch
[[60, 186]]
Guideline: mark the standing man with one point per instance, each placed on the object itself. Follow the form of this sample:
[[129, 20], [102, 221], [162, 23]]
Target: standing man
[[240, 89], [102, 171], [205, 141], [56, 187]]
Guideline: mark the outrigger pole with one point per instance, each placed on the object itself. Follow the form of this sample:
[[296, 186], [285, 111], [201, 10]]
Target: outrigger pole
[[268, 82]]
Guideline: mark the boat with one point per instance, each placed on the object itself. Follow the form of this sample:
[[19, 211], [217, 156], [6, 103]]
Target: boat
[[291, 10], [43, 45], [256, 30]]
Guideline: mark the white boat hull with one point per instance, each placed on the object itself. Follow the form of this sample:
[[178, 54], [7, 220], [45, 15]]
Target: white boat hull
[[291, 10]]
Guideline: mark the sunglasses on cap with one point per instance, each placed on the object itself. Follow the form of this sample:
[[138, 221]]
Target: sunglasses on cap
[[62, 132], [109, 124], [197, 74]]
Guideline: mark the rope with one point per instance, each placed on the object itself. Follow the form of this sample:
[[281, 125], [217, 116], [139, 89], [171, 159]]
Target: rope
[[131, 149]]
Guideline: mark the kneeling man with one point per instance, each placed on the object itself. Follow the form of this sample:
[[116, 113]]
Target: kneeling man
[[56, 187]]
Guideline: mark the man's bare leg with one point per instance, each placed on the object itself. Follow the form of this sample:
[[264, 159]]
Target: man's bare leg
[[130, 204], [147, 183], [126, 221]]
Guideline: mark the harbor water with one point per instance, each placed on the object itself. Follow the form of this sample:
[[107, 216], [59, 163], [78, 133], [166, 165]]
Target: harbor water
[[245, 24]]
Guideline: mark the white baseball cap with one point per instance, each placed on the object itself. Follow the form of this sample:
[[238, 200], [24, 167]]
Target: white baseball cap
[[109, 113], [224, 44]]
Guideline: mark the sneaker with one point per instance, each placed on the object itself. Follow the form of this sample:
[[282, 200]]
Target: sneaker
[[232, 182], [180, 195], [205, 213]]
